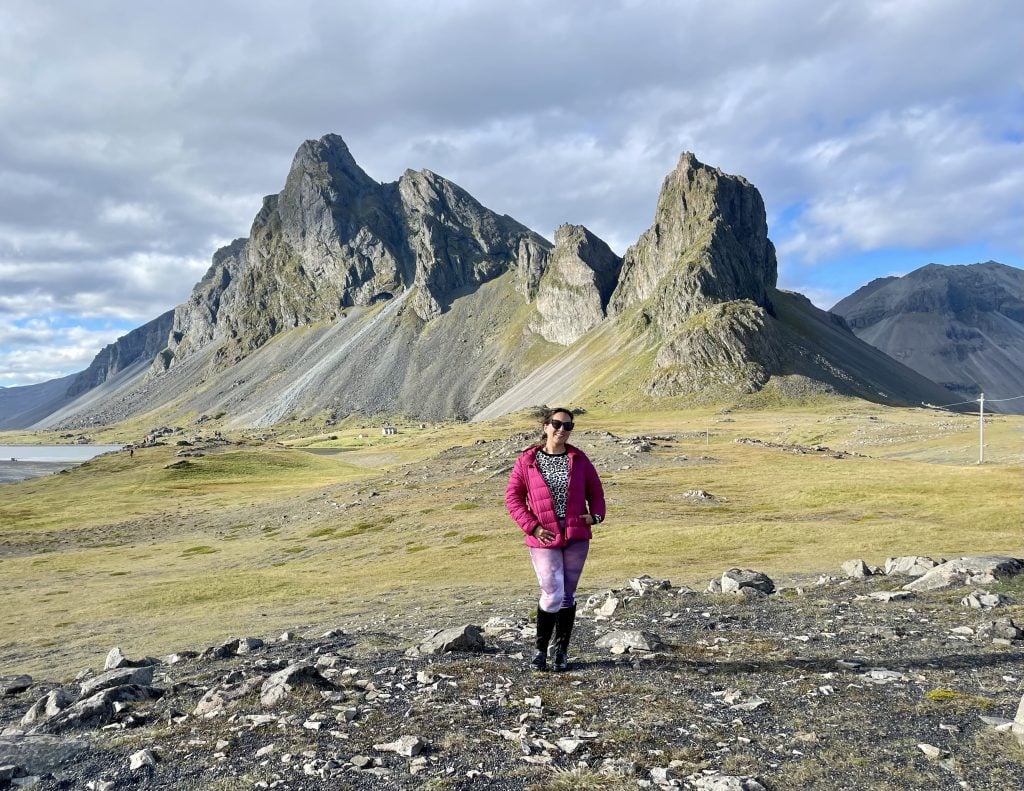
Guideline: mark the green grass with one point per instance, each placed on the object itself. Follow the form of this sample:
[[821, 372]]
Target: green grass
[[252, 540]]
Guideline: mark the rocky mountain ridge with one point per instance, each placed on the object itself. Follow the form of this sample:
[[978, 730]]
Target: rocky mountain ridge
[[410, 297], [902, 677], [961, 326]]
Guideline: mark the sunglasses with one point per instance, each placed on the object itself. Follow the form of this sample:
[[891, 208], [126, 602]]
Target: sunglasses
[[557, 424]]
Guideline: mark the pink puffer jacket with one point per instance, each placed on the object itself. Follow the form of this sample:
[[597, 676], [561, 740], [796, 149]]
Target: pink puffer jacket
[[529, 500]]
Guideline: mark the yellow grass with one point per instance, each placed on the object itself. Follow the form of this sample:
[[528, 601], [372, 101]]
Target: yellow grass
[[256, 539]]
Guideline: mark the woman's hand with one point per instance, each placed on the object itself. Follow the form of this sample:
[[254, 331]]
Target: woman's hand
[[542, 535], [587, 518]]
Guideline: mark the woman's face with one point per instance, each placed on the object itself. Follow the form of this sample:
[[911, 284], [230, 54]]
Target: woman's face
[[558, 427]]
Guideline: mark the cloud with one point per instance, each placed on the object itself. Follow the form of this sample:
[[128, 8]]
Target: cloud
[[137, 137], [41, 349]]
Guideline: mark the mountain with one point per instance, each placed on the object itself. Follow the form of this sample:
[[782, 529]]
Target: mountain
[[410, 297], [115, 364], [961, 326]]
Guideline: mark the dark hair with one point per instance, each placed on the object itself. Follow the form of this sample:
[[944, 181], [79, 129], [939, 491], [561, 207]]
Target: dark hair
[[549, 413]]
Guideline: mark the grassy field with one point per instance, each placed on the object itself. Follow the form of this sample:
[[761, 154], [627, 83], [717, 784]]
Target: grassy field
[[256, 538]]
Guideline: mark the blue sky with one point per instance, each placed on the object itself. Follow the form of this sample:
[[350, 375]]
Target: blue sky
[[138, 138]]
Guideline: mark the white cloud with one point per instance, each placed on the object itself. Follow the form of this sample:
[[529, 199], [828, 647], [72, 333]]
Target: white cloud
[[137, 137]]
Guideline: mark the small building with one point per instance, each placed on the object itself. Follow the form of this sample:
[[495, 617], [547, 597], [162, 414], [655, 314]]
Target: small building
[[388, 431]]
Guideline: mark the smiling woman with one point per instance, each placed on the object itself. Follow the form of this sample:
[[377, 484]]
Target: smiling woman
[[555, 496]]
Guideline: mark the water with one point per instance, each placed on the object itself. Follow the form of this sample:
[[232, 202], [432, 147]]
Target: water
[[21, 462]]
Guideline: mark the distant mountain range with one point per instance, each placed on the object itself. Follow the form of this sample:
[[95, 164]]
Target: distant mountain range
[[961, 326], [352, 296]]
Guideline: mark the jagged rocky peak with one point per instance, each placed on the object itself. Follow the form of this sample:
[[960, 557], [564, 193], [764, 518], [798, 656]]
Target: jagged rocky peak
[[708, 244], [574, 292], [458, 244], [334, 238]]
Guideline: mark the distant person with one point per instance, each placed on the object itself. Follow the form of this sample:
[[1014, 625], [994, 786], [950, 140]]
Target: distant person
[[554, 494]]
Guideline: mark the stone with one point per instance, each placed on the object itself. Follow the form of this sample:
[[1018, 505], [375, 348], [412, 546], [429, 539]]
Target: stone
[[910, 565], [968, 570], [141, 759], [361, 761], [715, 586], [116, 659], [1017, 729], [51, 704], [891, 595], [630, 640], [247, 645], [856, 569], [278, 686], [97, 710], [225, 650], [40, 754], [217, 699], [407, 746], [1004, 628], [466, 638], [752, 704], [12, 685], [139, 676], [735, 579], [983, 600], [727, 783], [568, 746], [607, 610], [645, 584]]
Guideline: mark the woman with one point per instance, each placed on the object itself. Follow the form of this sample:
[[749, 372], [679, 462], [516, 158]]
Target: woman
[[555, 495]]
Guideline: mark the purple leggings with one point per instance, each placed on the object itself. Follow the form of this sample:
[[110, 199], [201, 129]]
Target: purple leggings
[[558, 572]]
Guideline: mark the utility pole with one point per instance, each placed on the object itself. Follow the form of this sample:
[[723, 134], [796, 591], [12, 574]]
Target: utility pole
[[981, 430]]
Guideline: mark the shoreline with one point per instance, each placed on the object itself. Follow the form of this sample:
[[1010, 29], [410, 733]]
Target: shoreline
[[23, 470]]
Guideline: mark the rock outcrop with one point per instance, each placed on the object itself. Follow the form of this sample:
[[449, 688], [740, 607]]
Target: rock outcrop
[[575, 290]]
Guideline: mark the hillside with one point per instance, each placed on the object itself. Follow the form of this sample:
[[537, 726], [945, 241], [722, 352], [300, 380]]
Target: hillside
[[961, 326]]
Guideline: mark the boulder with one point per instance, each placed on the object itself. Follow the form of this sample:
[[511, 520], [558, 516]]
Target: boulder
[[466, 638], [735, 579], [97, 710], [969, 570], [48, 706], [116, 659], [40, 755], [856, 569], [1003, 628], [140, 676], [646, 584], [607, 610], [983, 600], [910, 565], [12, 685], [404, 745], [282, 683], [623, 640]]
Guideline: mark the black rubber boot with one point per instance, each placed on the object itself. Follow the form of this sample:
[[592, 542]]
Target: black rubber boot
[[545, 626], [564, 620]]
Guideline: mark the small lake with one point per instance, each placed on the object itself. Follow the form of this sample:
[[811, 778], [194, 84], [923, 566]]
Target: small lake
[[21, 462]]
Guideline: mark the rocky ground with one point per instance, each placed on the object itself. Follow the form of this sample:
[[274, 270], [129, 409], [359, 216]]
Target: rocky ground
[[844, 682]]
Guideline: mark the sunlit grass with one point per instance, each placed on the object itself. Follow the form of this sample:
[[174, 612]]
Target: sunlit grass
[[133, 552]]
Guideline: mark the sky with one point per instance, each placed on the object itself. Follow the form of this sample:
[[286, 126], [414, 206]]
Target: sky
[[137, 138]]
